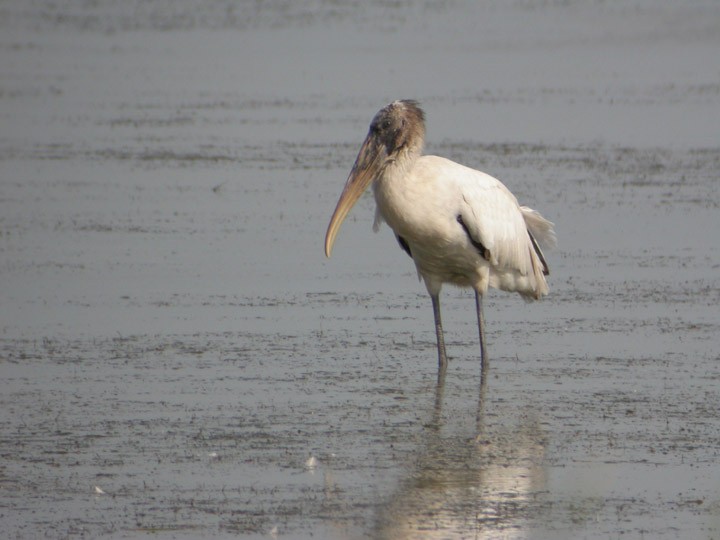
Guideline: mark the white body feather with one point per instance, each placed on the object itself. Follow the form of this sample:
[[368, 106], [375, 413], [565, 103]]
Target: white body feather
[[420, 198]]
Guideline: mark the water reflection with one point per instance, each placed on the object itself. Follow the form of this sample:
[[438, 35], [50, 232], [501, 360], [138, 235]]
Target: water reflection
[[478, 481]]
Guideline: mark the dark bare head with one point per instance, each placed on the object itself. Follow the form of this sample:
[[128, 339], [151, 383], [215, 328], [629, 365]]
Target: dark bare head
[[397, 132], [399, 126]]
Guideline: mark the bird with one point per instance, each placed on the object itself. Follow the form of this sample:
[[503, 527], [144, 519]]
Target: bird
[[460, 226]]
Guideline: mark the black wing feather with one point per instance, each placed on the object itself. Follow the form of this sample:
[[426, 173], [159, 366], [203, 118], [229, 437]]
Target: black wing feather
[[403, 244]]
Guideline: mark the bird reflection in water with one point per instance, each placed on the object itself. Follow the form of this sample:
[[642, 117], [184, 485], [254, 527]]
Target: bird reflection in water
[[477, 482]]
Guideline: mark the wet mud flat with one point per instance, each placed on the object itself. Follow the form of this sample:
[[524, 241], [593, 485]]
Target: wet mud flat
[[174, 348], [599, 417]]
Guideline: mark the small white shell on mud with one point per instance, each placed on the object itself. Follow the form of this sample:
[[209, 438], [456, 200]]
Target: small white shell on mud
[[311, 463]]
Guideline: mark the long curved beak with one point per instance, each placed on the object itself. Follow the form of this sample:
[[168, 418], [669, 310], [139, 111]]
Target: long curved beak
[[367, 166]]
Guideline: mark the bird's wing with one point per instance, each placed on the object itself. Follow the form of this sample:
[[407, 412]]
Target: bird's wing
[[492, 217]]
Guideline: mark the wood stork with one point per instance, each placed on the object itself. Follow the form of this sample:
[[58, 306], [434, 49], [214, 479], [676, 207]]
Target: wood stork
[[459, 225]]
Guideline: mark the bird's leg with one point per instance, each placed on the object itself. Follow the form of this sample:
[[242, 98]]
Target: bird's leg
[[442, 357], [481, 330]]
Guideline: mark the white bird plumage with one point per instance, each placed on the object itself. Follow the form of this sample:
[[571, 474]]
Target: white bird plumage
[[460, 226]]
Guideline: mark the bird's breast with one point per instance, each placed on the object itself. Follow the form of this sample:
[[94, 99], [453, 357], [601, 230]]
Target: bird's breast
[[413, 204], [421, 205]]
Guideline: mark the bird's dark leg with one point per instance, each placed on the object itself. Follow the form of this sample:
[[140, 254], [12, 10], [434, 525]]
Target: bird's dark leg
[[442, 357], [481, 330]]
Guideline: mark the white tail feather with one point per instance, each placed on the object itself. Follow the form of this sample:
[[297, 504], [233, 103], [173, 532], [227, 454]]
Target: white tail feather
[[542, 230]]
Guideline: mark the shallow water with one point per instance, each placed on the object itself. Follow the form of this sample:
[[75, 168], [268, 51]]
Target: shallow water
[[172, 335]]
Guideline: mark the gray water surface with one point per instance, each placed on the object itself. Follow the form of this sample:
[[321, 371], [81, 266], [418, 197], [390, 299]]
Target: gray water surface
[[174, 346]]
